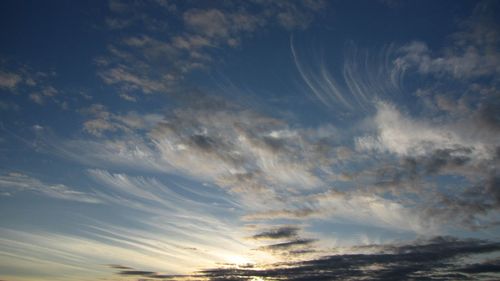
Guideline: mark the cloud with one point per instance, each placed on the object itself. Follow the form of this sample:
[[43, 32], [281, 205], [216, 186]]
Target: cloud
[[36, 86], [9, 80], [473, 53], [289, 245], [404, 136], [278, 233], [16, 182], [131, 81], [242, 151], [436, 259], [447, 148], [173, 226], [492, 266], [281, 214], [148, 63], [102, 121], [274, 171], [211, 22], [366, 78]]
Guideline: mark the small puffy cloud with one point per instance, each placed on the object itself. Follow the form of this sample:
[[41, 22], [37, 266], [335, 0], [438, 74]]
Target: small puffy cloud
[[474, 52], [103, 121], [142, 62], [98, 126], [36, 86], [131, 81], [9, 80], [211, 22], [47, 92]]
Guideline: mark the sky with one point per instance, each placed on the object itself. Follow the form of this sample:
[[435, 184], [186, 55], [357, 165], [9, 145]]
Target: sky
[[249, 140]]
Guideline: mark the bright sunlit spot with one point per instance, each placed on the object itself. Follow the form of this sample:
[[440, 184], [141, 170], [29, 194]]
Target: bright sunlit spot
[[238, 260]]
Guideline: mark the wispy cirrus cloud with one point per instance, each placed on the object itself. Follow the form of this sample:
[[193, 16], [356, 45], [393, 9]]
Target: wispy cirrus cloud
[[14, 182]]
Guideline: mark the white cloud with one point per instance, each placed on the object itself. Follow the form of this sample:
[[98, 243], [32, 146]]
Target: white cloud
[[16, 182], [405, 136]]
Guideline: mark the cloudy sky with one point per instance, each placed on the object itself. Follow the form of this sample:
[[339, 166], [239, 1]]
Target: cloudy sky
[[249, 140]]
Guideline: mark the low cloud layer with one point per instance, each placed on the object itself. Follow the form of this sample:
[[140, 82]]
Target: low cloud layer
[[435, 259]]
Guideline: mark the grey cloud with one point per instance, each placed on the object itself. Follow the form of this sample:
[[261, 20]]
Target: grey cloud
[[210, 22], [103, 121], [238, 146], [462, 146], [469, 200], [9, 80], [37, 86], [146, 63], [281, 214], [298, 14], [137, 272], [489, 112], [131, 81], [434, 259], [278, 233], [152, 49], [474, 52], [117, 266], [269, 166], [445, 159], [492, 266], [279, 172], [471, 205], [287, 246]]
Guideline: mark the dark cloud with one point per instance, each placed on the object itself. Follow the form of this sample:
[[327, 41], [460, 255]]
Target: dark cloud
[[278, 233], [136, 272], [435, 259], [492, 266], [442, 158], [471, 205], [285, 246], [452, 185], [489, 112], [117, 266], [282, 214]]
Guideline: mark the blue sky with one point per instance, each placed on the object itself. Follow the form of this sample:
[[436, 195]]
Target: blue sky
[[249, 140]]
